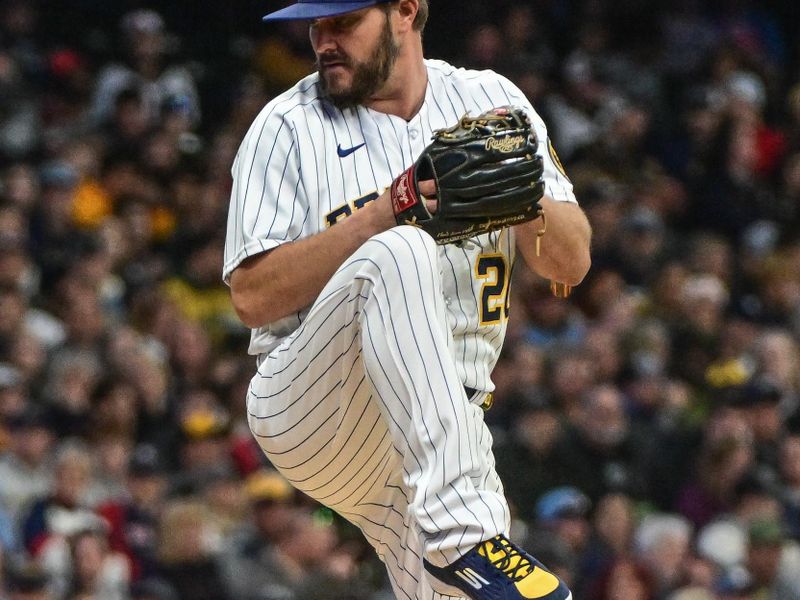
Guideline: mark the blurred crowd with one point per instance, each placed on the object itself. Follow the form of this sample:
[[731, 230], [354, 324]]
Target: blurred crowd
[[647, 430]]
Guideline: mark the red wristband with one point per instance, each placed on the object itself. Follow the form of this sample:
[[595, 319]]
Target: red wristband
[[404, 192]]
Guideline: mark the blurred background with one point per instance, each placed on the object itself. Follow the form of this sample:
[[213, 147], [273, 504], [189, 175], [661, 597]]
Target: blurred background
[[647, 430]]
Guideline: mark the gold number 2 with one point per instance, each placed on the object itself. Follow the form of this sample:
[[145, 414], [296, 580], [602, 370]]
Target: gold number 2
[[492, 269]]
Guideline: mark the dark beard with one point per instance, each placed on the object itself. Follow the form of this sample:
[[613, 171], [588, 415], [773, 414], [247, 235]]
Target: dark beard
[[368, 77]]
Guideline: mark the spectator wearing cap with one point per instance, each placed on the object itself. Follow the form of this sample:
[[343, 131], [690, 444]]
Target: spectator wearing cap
[[147, 68], [563, 512], [52, 233], [272, 500], [205, 446], [133, 520], [773, 560], [640, 248], [127, 126], [311, 549], [761, 399], [25, 470], [65, 100], [254, 548], [561, 530]]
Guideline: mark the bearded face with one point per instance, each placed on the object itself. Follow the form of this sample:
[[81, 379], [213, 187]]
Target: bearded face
[[348, 82]]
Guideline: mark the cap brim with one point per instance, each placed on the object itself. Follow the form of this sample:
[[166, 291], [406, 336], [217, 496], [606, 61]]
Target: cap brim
[[316, 10]]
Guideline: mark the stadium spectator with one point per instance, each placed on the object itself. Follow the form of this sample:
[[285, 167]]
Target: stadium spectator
[[146, 69]]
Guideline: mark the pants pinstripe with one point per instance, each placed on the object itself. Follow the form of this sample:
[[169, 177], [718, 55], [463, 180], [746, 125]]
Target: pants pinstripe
[[362, 409]]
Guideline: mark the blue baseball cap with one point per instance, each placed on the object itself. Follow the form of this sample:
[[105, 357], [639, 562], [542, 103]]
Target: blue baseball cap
[[317, 9], [562, 502]]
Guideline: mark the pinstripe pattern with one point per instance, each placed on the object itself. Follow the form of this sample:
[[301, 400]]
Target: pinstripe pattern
[[342, 419], [359, 400]]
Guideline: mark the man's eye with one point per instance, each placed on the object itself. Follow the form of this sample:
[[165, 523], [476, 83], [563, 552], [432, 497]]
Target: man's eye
[[339, 24], [346, 22]]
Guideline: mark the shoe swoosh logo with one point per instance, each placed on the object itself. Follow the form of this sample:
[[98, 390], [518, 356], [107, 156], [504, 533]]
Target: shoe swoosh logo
[[343, 152]]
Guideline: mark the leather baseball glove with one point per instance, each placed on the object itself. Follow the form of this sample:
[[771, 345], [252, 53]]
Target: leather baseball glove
[[487, 173]]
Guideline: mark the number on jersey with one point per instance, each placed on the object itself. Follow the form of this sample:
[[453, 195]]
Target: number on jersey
[[345, 210], [493, 271]]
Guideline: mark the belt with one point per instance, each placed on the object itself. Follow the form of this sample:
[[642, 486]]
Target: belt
[[487, 402]]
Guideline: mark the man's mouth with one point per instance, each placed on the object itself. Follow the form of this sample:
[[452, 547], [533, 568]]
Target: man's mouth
[[332, 63]]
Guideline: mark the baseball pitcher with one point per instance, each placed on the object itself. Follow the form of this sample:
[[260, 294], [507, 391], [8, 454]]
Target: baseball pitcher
[[376, 211]]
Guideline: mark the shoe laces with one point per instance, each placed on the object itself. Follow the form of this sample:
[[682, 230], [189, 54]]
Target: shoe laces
[[507, 558]]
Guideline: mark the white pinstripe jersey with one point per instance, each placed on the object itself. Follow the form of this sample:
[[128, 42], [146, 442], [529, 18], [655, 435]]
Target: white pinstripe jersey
[[304, 164]]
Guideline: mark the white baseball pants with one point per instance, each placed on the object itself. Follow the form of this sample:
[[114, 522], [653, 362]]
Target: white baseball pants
[[362, 409]]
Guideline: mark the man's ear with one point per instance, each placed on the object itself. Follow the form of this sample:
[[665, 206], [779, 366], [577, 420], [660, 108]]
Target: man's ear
[[407, 10]]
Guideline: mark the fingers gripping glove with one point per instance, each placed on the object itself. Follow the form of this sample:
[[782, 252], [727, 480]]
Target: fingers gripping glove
[[487, 173]]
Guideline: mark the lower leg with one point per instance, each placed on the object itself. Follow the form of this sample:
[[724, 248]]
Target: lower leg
[[456, 498]]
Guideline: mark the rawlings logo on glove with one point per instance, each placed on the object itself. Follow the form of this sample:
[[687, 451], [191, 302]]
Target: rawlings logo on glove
[[487, 174], [506, 145]]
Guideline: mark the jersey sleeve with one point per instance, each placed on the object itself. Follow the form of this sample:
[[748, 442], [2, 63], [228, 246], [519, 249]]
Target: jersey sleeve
[[557, 185], [268, 203]]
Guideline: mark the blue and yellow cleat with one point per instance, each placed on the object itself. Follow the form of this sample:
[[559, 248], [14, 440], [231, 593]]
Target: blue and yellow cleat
[[498, 570]]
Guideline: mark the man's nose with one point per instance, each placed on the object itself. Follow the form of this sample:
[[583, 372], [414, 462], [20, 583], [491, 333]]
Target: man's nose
[[323, 39]]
